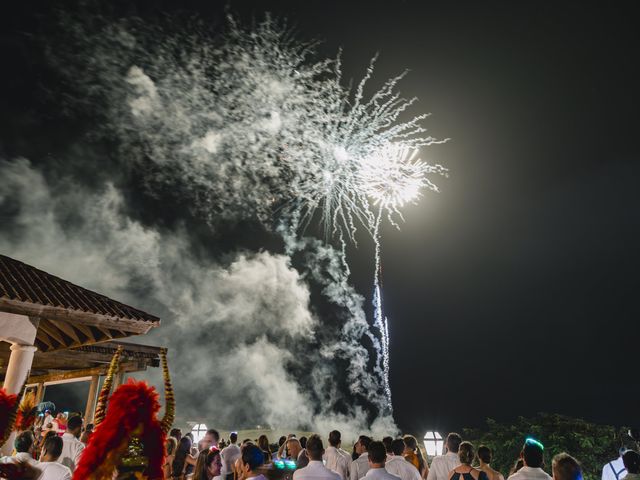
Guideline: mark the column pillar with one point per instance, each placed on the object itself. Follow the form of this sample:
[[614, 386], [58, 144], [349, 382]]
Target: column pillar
[[18, 368], [91, 399], [118, 379], [39, 393]]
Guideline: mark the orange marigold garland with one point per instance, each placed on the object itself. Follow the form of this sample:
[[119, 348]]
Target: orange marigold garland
[[169, 398], [101, 406]]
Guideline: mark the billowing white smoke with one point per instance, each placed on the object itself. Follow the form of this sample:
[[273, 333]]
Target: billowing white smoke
[[234, 331], [246, 127]]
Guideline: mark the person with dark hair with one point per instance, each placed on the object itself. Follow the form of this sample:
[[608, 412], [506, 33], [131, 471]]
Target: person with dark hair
[[360, 466], [24, 445], [466, 454], [176, 433], [86, 433], [631, 460], [398, 465], [614, 470], [336, 459], [49, 466], [183, 461], [386, 441], [484, 457], [230, 454], [303, 442], [441, 465], [315, 470], [72, 447], [208, 464], [565, 467], [377, 457], [263, 443], [533, 459], [251, 460], [210, 439]]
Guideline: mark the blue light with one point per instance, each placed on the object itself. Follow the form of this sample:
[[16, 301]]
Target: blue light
[[533, 441]]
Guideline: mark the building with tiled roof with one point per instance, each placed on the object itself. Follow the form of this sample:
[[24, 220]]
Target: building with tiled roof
[[53, 331]]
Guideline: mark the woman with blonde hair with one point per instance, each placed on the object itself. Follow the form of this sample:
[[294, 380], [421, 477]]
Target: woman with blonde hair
[[466, 454], [171, 446]]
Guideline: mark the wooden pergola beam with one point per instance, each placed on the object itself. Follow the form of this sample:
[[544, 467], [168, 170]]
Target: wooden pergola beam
[[128, 367]]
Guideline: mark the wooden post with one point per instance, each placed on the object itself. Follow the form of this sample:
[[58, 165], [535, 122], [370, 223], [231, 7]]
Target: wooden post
[[39, 392], [118, 379], [91, 399]]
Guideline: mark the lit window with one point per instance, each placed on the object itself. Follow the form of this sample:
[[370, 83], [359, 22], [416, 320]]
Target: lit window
[[198, 431], [433, 443]]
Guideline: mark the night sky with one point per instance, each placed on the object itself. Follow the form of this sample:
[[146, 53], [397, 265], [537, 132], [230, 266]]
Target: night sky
[[513, 290]]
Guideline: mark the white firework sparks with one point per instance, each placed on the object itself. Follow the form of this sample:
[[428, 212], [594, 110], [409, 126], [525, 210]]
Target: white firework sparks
[[253, 127]]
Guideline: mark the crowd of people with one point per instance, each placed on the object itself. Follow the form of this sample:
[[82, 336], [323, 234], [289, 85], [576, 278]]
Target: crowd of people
[[53, 454], [52, 447], [389, 459]]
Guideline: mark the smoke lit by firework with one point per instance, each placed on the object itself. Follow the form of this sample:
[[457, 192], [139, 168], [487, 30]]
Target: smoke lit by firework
[[249, 125]]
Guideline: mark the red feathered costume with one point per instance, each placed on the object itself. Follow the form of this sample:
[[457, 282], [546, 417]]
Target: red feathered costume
[[7, 414], [131, 412]]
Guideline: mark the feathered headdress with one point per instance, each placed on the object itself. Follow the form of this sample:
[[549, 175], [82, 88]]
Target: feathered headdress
[[26, 412], [8, 411], [130, 436], [9, 404]]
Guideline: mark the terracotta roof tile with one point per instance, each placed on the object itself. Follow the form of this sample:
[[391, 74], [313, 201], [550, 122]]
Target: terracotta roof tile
[[22, 282]]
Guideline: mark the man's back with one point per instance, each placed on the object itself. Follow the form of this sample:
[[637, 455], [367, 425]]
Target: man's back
[[359, 467], [53, 471], [398, 466], [337, 461], [315, 470], [229, 455], [71, 450], [380, 474], [530, 473], [442, 465]]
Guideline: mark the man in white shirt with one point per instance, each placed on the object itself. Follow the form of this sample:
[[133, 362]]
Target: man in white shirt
[[315, 470], [533, 458], [377, 458], [441, 465], [614, 470], [297, 453], [50, 468], [23, 445], [397, 465], [230, 454], [72, 447], [336, 459], [360, 466]]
